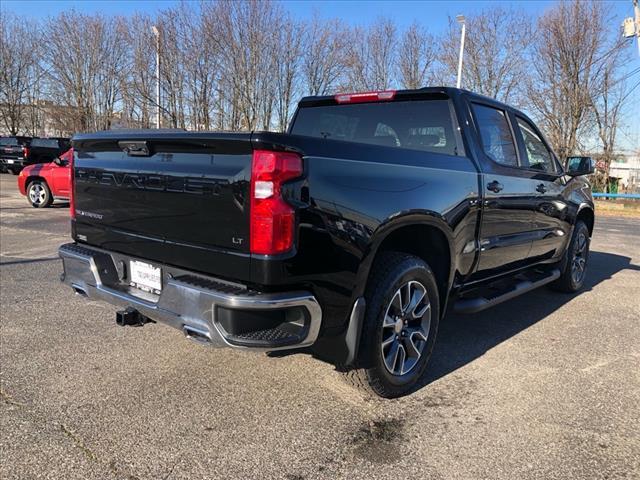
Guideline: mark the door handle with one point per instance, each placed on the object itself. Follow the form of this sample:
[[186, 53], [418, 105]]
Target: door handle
[[494, 186], [541, 188]]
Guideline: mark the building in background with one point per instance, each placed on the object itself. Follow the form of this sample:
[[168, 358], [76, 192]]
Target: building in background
[[626, 169]]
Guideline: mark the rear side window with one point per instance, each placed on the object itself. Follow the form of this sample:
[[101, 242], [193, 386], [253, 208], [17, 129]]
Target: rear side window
[[495, 133], [538, 155], [8, 141], [426, 125], [44, 142]]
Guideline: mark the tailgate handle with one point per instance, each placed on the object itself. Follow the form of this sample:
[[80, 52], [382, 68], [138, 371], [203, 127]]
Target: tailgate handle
[[135, 148]]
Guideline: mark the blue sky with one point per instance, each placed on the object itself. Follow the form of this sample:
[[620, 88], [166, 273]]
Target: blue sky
[[432, 14]]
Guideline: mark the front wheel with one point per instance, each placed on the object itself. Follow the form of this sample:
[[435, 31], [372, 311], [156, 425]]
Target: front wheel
[[39, 194], [399, 328], [575, 261]]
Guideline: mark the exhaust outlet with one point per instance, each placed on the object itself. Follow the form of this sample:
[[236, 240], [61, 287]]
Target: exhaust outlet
[[130, 317], [79, 291], [196, 335]]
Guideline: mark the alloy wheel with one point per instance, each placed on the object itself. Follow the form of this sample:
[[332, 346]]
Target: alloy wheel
[[37, 194], [579, 260], [405, 328]]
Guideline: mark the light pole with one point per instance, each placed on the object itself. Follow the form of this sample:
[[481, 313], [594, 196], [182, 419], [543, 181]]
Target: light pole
[[460, 19], [156, 32]]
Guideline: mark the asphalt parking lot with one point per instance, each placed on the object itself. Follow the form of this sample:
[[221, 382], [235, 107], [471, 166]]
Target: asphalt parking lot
[[546, 386]]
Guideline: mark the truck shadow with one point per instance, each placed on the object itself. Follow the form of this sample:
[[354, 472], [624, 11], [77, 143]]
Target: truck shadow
[[463, 338], [29, 260]]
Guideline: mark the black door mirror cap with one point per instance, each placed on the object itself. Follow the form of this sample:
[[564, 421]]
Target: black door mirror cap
[[578, 166]]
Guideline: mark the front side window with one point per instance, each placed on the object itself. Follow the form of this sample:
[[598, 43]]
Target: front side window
[[496, 135], [538, 155]]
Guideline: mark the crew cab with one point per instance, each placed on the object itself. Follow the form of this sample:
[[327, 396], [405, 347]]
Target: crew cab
[[19, 152], [43, 183], [348, 237]]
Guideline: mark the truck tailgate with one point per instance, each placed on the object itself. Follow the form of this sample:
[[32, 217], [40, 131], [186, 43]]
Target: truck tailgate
[[13, 152], [180, 198]]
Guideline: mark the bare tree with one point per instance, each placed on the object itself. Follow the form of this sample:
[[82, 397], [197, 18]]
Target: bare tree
[[570, 40], [371, 56], [246, 41], [172, 77], [496, 43], [287, 69], [85, 56], [201, 65], [19, 71], [35, 114], [138, 82], [241, 65], [324, 55], [416, 57], [608, 94]]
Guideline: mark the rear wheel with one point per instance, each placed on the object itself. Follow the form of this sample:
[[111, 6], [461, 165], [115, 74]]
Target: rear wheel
[[575, 262], [15, 171], [39, 194], [400, 326]]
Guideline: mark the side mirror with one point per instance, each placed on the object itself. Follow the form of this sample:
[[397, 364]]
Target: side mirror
[[60, 162], [577, 166]]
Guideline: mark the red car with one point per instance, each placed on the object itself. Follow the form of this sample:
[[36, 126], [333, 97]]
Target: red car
[[43, 182]]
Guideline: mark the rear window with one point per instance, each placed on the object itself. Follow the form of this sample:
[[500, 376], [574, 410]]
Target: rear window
[[426, 125], [8, 141], [44, 142]]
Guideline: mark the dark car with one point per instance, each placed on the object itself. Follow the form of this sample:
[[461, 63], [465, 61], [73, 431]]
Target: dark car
[[18, 152], [12, 151], [347, 238]]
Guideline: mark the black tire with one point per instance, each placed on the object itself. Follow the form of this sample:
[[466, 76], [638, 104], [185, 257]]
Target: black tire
[[392, 272], [572, 278], [39, 194], [14, 171]]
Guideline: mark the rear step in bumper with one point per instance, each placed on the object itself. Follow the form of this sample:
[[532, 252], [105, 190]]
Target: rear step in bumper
[[523, 285], [203, 308]]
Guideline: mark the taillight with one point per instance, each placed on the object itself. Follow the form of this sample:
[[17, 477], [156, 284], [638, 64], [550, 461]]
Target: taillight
[[25, 152], [272, 227], [72, 200], [365, 96]]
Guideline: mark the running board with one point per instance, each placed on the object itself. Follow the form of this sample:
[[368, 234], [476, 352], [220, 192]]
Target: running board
[[493, 296]]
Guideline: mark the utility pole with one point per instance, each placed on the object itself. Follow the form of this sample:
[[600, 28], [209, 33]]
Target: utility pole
[[156, 32], [460, 19], [631, 26], [636, 10]]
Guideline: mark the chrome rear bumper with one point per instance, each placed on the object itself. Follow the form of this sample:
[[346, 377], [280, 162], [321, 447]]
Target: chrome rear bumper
[[197, 305]]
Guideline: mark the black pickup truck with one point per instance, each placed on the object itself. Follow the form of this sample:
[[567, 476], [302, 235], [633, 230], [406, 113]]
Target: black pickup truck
[[18, 152], [347, 238]]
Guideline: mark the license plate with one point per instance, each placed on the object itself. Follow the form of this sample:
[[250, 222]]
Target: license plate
[[145, 276], [9, 161]]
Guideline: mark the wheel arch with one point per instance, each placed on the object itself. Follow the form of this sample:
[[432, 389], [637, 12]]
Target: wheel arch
[[423, 234], [32, 178], [587, 215]]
